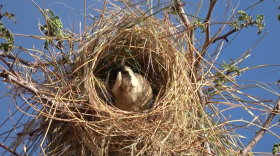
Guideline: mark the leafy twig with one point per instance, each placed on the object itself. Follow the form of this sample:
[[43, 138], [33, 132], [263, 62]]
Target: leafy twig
[[248, 21], [229, 33]]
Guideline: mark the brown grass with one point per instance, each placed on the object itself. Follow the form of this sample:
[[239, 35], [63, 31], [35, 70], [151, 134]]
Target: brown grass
[[85, 121]]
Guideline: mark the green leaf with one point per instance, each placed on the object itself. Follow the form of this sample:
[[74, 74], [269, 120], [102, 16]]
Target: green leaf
[[276, 148], [10, 16], [6, 34], [50, 12]]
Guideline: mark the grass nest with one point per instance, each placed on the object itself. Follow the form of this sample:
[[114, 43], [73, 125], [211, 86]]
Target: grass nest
[[83, 119]]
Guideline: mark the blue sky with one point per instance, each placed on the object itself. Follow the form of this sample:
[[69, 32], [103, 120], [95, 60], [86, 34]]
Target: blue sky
[[266, 52]]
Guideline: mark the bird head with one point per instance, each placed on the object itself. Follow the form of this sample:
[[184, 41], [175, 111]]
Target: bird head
[[132, 91], [122, 75]]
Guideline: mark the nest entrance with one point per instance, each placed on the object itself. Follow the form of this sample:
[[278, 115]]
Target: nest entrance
[[140, 54], [153, 72]]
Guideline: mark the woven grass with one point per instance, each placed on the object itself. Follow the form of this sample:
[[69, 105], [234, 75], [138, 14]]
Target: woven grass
[[79, 117]]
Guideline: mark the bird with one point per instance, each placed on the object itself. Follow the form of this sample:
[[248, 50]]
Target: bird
[[131, 91]]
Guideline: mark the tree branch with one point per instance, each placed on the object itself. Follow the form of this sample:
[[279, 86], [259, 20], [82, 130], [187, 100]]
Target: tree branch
[[225, 36], [25, 62], [179, 8], [8, 149], [203, 100], [229, 33], [207, 21], [207, 39], [261, 132], [32, 89]]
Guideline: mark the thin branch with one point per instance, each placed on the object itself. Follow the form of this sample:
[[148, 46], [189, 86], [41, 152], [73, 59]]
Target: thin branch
[[85, 12], [207, 39], [1, 12], [203, 99], [28, 63], [231, 32], [10, 68], [25, 62], [32, 89], [179, 8], [8, 149], [207, 21], [261, 132], [198, 58], [225, 36]]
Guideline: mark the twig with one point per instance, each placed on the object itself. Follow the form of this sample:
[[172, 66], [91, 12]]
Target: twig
[[207, 39], [198, 58], [207, 21], [32, 89], [85, 12], [31, 64], [8, 149], [10, 68], [225, 36], [1, 12], [203, 100], [178, 7], [229, 33], [261, 132], [25, 62]]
